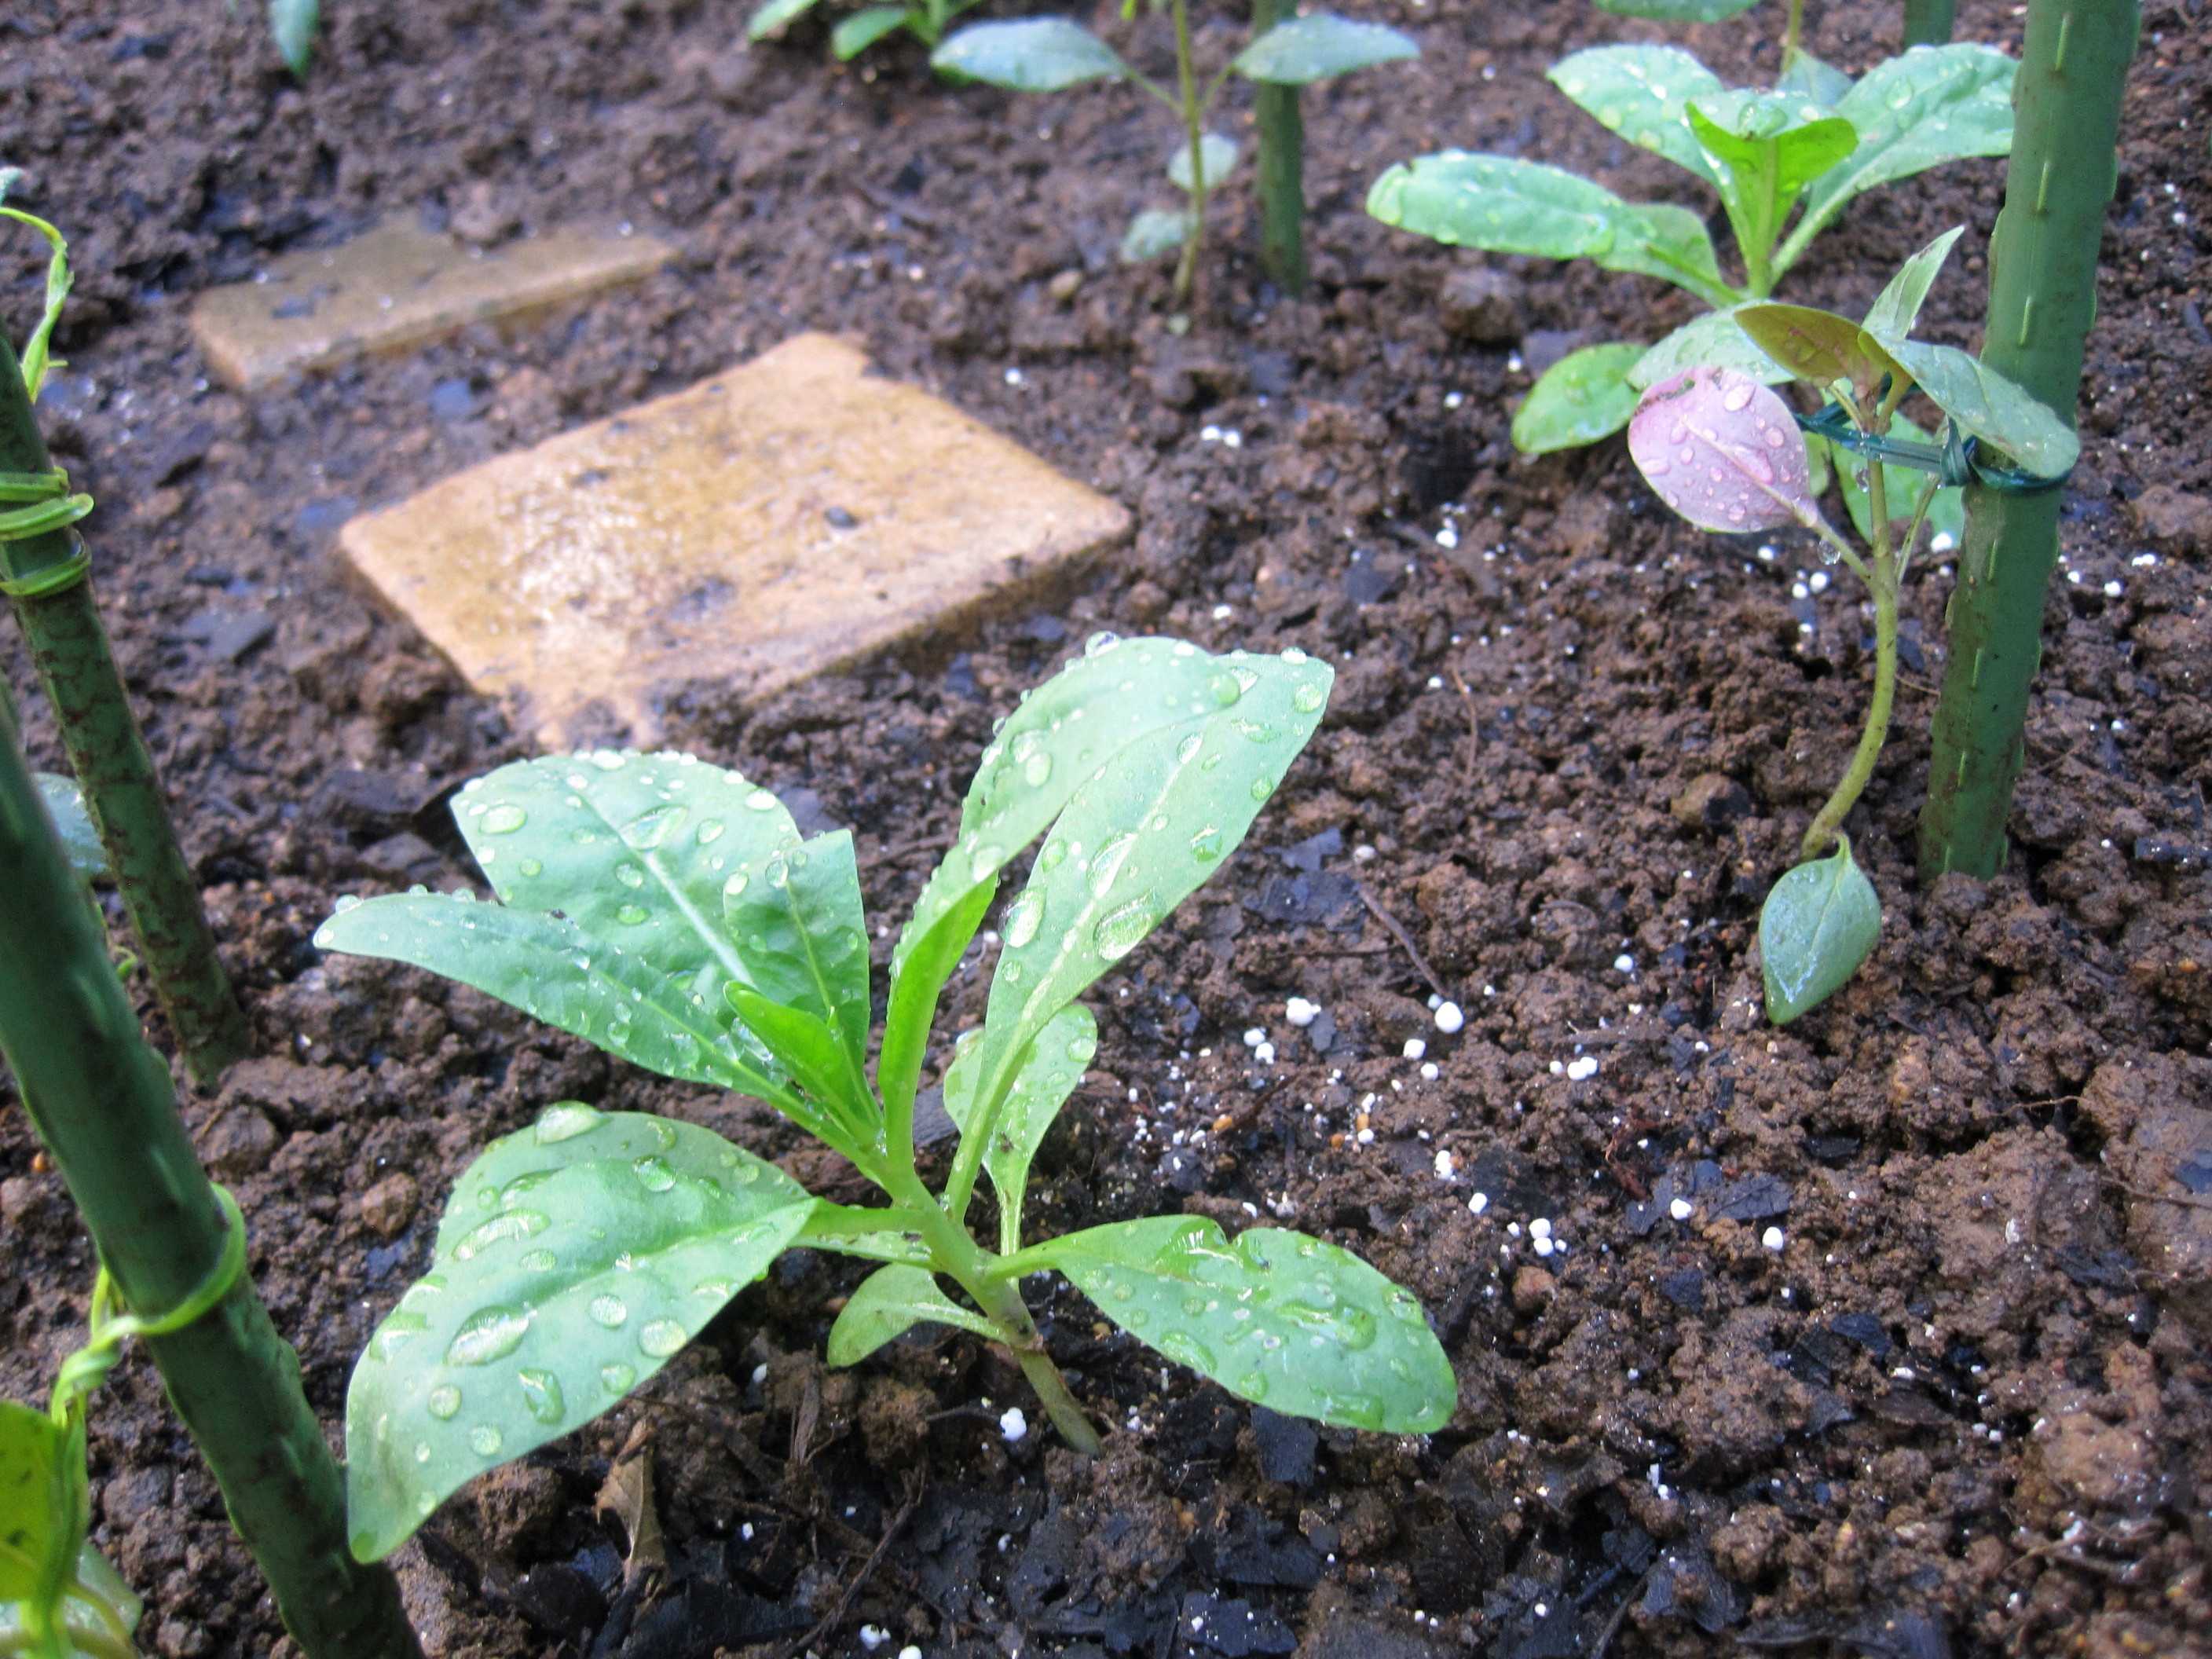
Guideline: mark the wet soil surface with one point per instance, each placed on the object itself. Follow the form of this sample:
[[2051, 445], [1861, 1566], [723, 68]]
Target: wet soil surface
[[1881, 1334]]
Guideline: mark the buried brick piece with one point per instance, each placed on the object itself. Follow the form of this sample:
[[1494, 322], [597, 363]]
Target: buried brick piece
[[762, 527]]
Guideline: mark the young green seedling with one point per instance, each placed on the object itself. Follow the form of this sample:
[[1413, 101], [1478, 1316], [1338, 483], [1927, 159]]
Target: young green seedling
[[925, 21], [1807, 148], [1050, 54], [668, 912], [1724, 451]]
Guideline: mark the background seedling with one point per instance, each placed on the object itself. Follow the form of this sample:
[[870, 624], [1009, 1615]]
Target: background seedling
[[668, 912], [1723, 450], [1806, 148], [1050, 54], [856, 31]]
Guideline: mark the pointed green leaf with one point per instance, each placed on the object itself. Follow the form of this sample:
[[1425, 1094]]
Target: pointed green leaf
[[1897, 307], [891, 1301], [1996, 409], [574, 1260], [1036, 54], [1217, 154], [825, 1071], [1506, 205], [1581, 398], [1712, 341], [1049, 1073], [1947, 514], [1065, 732], [767, 19], [1678, 11], [64, 800], [293, 24], [39, 1532], [1154, 233], [1819, 468], [1284, 1320], [1929, 106], [1817, 926], [1642, 92], [856, 33], [1319, 47], [795, 917], [1809, 77], [1819, 348], [1765, 148], [1149, 823]]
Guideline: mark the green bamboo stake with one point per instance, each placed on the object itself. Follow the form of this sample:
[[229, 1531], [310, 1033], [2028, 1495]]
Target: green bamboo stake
[[2042, 290], [1281, 165], [1929, 22], [44, 576], [101, 1100]]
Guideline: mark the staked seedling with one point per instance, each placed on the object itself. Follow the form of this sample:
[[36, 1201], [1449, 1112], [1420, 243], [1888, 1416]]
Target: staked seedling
[[670, 912], [1723, 450], [1807, 147], [1051, 54]]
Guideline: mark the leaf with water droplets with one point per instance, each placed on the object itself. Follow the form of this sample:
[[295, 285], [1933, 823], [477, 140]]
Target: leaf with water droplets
[[1076, 727], [1048, 1075], [1809, 77], [891, 1301], [796, 914], [1584, 397], [1819, 923], [574, 1255], [1319, 47], [1819, 348], [1035, 54], [64, 800], [1712, 341], [1292, 1323], [1642, 92], [842, 1111], [1997, 410], [1722, 451], [1765, 149]]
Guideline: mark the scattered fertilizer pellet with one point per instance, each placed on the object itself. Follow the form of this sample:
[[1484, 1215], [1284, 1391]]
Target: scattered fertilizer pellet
[[1013, 378], [1773, 1238], [1264, 1053], [1013, 1425], [1415, 1048], [1253, 1036], [1581, 1070], [1624, 963], [1428, 1073], [1680, 1209], [1449, 1017], [1300, 1012], [1444, 1166], [1478, 1203], [909, 1651], [1448, 536], [874, 1636]]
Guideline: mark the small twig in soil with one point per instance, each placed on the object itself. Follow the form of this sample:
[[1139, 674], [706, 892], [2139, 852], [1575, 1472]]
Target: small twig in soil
[[1405, 940], [2159, 1198], [913, 212], [828, 1620]]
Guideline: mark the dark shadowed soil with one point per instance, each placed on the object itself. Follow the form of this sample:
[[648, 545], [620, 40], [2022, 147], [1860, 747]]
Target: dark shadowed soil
[[1921, 1367]]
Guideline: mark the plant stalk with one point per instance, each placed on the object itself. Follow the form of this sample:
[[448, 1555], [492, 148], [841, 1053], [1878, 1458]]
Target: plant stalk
[[1282, 136], [1881, 574], [1929, 22], [1193, 118], [2042, 285], [1793, 32], [102, 1102], [70, 650]]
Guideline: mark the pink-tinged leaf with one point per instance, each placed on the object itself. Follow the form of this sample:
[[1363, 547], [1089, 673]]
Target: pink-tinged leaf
[[1722, 451]]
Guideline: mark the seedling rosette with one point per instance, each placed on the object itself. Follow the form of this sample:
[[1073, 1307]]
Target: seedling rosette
[[670, 912]]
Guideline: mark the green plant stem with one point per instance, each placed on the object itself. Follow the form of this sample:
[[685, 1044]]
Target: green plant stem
[[71, 652], [1282, 136], [102, 1102], [2043, 282], [1928, 22], [1882, 578], [1194, 118], [1792, 33]]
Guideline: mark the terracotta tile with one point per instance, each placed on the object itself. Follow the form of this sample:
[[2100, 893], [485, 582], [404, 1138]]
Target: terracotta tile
[[778, 519], [399, 286]]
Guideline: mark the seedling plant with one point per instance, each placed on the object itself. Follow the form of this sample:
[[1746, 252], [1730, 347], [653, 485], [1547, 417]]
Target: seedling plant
[[855, 32], [1807, 148], [670, 912], [1051, 54], [1723, 450]]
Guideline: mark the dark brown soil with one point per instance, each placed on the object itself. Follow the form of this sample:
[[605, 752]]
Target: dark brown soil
[[1964, 1406]]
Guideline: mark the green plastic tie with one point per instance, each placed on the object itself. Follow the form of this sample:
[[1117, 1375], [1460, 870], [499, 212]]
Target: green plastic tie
[[1953, 461], [50, 506]]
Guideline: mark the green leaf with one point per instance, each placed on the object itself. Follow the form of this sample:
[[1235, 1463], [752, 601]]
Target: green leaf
[[574, 1260], [99, 1612], [1819, 348], [1319, 47], [1947, 514], [64, 799], [804, 936], [1992, 408], [1217, 154], [1069, 730], [1642, 92], [1723, 451], [1929, 106], [856, 33], [1036, 54], [891, 1301], [1765, 148], [1678, 11], [1581, 398], [1147, 825], [1049, 1073], [1284, 1320], [772, 16], [1897, 307], [1712, 341], [8, 178], [293, 24], [1809, 77], [1155, 232], [40, 1528], [1817, 926], [808, 1049], [1505, 206]]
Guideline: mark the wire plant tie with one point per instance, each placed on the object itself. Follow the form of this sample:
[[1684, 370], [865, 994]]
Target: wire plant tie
[[1953, 461]]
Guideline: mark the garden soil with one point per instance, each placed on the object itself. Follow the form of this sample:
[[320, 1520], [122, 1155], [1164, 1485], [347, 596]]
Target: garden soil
[[1882, 1334]]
